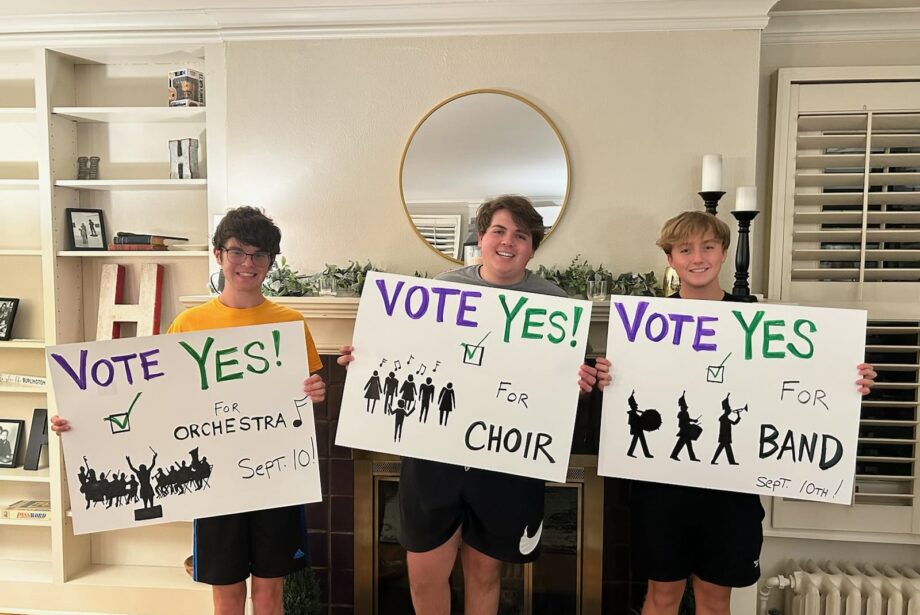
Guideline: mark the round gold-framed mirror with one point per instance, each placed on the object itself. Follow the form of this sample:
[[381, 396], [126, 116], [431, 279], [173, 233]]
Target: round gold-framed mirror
[[475, 146]]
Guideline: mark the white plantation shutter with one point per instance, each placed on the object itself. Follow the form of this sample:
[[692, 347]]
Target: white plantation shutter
[[441, 231], [856, 203], [846, 233]]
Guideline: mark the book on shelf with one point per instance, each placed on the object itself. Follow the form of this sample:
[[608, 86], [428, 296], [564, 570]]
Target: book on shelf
[[23, 380], [145, 239], [25, 510], [128, 247]]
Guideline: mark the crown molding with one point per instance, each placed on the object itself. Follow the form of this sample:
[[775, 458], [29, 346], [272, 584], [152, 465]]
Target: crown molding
[[843, 26], [378, 18]]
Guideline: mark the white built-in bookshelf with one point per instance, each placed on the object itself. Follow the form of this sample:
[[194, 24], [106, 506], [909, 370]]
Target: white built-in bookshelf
[[55, 105]]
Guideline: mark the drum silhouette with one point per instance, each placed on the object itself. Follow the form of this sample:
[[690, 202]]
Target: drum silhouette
[[650, 420], [693, 431]]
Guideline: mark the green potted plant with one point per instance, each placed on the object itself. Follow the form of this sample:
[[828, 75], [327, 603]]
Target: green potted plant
[[574, 278], [640, 284], [301, 593], [350, 279], [283, 281]]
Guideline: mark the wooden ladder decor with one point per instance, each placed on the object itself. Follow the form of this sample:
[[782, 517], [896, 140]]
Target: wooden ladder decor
[[112, 312]]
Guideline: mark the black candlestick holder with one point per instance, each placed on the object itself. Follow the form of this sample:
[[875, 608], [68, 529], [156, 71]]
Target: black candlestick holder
[[711, 199], [741, 290]]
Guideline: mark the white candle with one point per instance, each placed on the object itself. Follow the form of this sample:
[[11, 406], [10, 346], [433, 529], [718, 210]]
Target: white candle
[[746, 198], [712, 173]]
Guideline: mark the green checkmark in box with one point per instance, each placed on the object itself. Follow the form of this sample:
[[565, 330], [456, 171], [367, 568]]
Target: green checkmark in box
[[121, 422]]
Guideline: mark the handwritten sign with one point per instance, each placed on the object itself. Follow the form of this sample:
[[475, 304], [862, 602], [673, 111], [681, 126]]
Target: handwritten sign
[[740, 397], [469, 375], [177, 427]]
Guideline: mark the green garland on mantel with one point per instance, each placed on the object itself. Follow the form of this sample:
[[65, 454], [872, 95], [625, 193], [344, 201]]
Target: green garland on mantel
[[284, 281], [574, 279]]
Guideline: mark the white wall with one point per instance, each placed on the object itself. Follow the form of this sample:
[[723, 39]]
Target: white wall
[[316, 130]]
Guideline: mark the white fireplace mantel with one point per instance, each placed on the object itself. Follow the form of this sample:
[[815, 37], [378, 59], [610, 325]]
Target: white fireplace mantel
[[332, 320]]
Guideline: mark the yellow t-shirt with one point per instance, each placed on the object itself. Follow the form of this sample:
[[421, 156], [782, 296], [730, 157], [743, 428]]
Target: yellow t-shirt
[[216, 315]]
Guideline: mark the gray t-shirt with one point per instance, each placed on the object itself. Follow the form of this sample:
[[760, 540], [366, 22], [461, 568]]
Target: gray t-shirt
[[532, 283]]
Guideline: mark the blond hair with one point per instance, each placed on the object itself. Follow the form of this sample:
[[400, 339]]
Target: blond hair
[[690, 223]]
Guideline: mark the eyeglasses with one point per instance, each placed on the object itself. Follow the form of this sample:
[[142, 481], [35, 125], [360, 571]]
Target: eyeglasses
[[238, 257]]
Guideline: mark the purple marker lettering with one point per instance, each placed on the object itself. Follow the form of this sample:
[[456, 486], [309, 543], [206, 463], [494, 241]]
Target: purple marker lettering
[[442, 293], [679, 320], [464, 308], [423, 306], [656, 317], [79, 379], [702, 331], [123, 359], [146, 364], [95, 372], [388, 303], [631, 328]]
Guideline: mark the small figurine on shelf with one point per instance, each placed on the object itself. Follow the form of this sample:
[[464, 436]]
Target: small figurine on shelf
[[88, 167], [186, 88], [183, 159]]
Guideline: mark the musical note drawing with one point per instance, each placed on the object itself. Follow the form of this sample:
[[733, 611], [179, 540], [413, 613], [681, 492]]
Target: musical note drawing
[[420, 370], [382, 362], [436, 364], [396, 363], [298, 404], [409, 362]]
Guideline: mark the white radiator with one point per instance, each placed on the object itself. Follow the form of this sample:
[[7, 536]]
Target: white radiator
[[851, 589]]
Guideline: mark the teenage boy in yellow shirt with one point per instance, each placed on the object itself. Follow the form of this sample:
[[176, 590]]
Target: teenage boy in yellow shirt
[[266, 544]]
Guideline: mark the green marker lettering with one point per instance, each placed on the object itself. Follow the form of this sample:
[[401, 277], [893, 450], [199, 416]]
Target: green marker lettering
[[509, 316], [531, 323], [748, 331], [263, 360], [772, 337], [200, 360], [811, 347], [552, 321], [221, 363]]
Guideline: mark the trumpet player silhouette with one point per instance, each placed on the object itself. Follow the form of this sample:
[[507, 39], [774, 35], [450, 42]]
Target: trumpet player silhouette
[[636, 428], [688, 430], [726, 422]]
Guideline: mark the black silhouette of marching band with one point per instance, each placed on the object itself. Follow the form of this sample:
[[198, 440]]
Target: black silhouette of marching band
[[113, 488], [689, 429]]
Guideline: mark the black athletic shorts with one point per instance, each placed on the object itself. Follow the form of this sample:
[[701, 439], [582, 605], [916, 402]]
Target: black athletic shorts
[[264, 543], [678, 531], [501, 514]]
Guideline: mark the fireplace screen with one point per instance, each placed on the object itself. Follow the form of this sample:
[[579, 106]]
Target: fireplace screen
[[555, 583]]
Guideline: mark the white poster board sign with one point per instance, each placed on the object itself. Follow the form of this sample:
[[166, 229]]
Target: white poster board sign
[[178, 427], [469, 375], [752, 398]]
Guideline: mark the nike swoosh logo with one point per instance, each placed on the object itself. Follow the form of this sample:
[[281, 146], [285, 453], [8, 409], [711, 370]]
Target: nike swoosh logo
[[529, 543]]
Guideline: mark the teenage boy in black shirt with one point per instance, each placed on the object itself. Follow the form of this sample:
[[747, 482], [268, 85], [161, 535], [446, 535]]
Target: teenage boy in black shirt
[[716, 536]]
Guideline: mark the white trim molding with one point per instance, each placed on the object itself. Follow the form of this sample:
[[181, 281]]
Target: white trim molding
[[843, 26], [379, 18]]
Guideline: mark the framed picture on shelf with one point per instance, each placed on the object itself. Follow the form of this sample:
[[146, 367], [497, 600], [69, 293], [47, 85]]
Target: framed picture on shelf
[[87, 229], [8, 307], [10, 439]]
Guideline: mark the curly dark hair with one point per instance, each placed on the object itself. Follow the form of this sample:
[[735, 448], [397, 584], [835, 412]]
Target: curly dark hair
[[248, 225], [522, 212]]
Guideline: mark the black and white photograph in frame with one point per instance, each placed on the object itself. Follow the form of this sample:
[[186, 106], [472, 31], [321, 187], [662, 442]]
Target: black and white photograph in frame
[[8, 307], [87, 229], [10, 440]]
